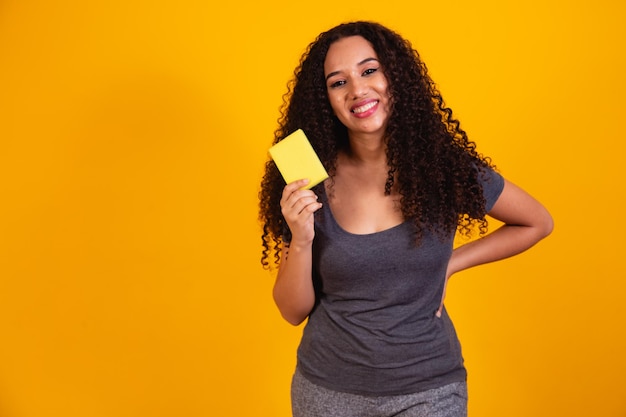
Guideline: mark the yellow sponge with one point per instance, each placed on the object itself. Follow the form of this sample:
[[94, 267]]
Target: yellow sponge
[[295, 158]]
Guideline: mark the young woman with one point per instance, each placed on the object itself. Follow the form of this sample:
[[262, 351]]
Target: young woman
[[366, 255]]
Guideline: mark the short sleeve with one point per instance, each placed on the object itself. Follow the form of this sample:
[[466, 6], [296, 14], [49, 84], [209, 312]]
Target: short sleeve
[[492, 184]]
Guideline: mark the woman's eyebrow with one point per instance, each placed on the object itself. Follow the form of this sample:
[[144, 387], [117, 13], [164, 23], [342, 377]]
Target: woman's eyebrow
[[365, 61]]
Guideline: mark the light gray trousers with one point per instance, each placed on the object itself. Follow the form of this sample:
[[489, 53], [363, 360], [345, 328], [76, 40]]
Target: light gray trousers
[[310, 400]]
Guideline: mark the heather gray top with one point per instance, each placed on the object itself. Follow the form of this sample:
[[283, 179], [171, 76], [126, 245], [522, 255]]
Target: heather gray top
[[374, 329]]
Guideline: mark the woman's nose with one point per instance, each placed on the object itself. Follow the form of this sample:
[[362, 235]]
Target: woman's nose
[[358, 88]]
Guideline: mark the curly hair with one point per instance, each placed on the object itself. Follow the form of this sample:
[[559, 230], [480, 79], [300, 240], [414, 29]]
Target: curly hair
[[432, 163]]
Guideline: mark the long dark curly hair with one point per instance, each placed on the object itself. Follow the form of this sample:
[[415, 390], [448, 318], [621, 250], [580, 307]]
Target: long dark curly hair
[[432, 163]]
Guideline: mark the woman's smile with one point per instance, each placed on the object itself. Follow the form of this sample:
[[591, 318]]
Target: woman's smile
[[366, 109]]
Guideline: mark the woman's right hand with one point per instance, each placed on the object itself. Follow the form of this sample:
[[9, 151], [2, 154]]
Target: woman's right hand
[[297, 206]]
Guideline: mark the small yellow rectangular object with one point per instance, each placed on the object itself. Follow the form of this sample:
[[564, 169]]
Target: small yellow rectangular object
[[296, 159]]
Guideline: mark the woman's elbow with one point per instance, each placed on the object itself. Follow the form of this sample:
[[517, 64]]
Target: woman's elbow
[[293, 319], [544, 225], [293, 313], [293, 316]]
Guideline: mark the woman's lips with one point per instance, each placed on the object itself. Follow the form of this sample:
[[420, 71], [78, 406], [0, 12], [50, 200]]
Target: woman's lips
[[365, 109]]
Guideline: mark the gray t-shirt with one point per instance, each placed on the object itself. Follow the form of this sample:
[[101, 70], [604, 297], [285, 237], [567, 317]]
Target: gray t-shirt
[[374, 330]]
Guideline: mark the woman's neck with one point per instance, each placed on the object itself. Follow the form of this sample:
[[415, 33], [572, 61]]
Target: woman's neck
[[366, 150]]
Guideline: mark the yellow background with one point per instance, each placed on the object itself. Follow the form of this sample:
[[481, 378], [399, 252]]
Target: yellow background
[[133, 135]]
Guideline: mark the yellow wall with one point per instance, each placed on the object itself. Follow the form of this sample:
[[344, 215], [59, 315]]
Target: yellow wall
[[133, 135]]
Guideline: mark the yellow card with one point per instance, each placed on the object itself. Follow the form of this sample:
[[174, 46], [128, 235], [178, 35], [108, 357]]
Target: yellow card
[[295, 158]]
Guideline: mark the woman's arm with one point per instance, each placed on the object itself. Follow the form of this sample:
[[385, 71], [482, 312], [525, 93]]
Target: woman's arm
[[525, 220], [293, 290]]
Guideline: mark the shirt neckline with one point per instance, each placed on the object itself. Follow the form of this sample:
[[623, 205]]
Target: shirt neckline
[[344, 231]]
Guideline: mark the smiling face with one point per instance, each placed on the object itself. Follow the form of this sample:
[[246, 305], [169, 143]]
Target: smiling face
[[357, 86]]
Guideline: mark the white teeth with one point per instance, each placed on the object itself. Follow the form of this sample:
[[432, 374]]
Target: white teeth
[[365, 107]]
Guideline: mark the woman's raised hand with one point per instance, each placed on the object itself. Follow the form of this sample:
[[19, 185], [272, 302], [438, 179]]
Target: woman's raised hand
[[297, 206]]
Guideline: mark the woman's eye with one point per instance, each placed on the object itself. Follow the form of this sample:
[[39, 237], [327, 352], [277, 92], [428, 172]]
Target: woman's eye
[[370, 71], [337, 84]]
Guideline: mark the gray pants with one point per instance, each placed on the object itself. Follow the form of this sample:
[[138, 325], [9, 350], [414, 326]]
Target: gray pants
[[310, 400]]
